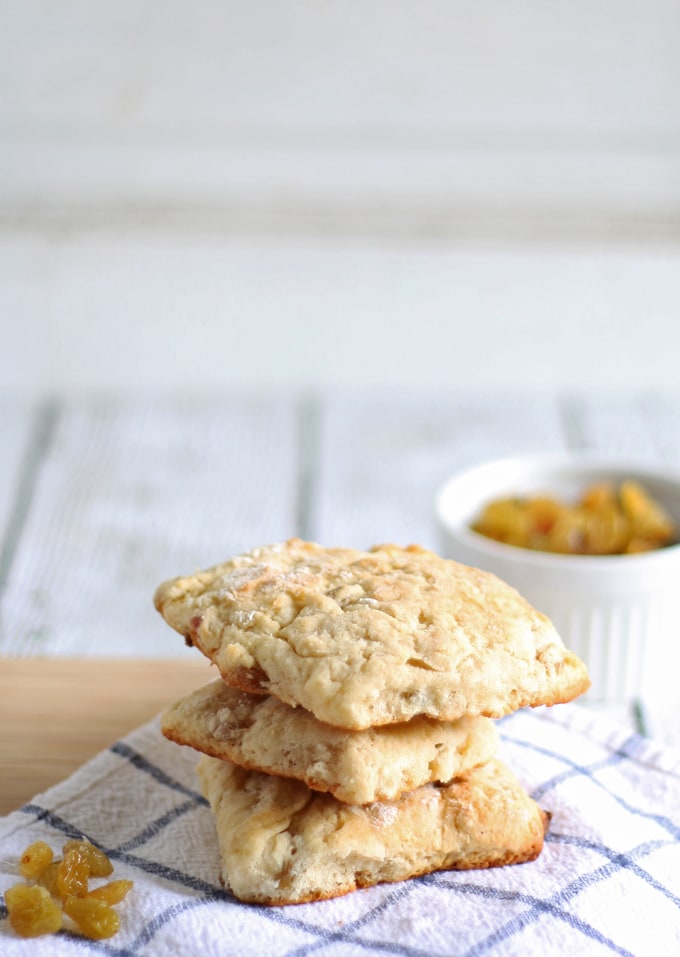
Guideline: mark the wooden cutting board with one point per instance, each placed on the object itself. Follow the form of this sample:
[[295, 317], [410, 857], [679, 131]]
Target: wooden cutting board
[[56, 713]]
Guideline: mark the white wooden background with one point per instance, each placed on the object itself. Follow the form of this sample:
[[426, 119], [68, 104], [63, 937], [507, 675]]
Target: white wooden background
[[102, 500], [273, 268], [381, 113], [440, 193]]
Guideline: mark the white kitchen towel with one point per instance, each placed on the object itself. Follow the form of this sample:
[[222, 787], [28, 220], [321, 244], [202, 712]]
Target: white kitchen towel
[[607, 882]]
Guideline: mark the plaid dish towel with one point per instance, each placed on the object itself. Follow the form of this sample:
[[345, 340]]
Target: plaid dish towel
[[607, 882]]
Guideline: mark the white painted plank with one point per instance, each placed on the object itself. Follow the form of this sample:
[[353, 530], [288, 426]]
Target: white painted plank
[[131, 493], [306, 105], [614, 425], [383, 459], [662, 415], [334, 314], [486, 193], [18, 421], [377, 67]]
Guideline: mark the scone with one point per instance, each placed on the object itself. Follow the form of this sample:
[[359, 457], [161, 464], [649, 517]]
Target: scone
[[368, 638], [281, 843], [262, 733]]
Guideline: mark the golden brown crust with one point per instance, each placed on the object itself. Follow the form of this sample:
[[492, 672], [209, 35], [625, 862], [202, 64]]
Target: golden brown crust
[[282, 843], [368, 638], [262, 733]]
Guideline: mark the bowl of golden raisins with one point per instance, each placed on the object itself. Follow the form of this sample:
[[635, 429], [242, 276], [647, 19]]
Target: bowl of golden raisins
[[593, 543]]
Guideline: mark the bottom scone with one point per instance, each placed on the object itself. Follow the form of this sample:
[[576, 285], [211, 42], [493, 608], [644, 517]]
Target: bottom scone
[[282, 843]]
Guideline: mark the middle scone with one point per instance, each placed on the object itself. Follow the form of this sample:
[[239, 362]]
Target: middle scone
[[358, 767]]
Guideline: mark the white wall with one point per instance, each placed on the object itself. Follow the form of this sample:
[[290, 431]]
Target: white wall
[[315, 193]]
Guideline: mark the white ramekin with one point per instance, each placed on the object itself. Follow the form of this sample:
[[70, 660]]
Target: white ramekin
[[619, 613]]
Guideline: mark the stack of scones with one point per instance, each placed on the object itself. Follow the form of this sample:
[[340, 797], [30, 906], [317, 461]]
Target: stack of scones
[[350, 737]]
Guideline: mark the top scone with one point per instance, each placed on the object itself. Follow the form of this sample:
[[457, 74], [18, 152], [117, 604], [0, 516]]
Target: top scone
[[368, 638]]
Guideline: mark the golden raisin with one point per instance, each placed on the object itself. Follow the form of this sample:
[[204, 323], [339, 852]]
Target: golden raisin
[[48, 877], [95, 918], [73, 874], [648, 518], [113, 892], [35, 859], [602, 522], [505, 520], [599, 495], [636, 545], [100, 865], [31, 911], [607, 531]]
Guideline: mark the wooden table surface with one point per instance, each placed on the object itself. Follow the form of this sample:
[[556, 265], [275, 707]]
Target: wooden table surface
[[56, 713], [102, 499]]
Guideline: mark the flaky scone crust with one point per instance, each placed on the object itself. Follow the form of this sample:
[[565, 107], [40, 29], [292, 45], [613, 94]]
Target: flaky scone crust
[[281, 843], [262, 733], [368, 638]]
